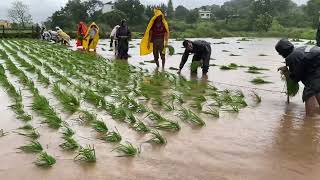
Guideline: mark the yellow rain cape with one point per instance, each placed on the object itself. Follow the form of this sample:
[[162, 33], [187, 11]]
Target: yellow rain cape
[[94, 43], [145, 40], [64, 35]]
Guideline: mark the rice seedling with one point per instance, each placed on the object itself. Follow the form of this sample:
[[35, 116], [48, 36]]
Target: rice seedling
[[194, 66], [94, 99], [157, 138], [212, 112], [167, 125], [142, 63], [311, 43], [262, 55], [256, 97], [171, 50], [68, 101], [127, 150], [234, 54], [253, 72], [254, 68], [68, 132], [259, 80], [32, 147], [189, 116], [45, 160], [42, 79], [131, 119], [177, 97], [244, 39], [69, 144], [87, 154], [26, 127], [87, 117], [113, 137], [99, 126], [225, 51], [119, 113], [292, 87], [33, 134], [140, 127]]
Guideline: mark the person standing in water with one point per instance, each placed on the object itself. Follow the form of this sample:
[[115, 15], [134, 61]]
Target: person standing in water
[[155, 38], [123, 35], [91, 38], [202, 54], [158, 36], [81, 33], [302, 64]]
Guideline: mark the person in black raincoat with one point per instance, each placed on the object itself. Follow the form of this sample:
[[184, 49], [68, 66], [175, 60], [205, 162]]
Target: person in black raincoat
[[201, 51], [123, 35], [302, 64]]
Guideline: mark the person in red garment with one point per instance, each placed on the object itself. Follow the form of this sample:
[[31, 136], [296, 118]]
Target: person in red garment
[[158, 35], [81, 32]]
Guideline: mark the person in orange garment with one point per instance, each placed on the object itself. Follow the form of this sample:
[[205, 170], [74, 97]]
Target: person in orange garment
[[81, 33]]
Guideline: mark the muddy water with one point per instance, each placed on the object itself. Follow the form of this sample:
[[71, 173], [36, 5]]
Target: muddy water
[[271, 140]]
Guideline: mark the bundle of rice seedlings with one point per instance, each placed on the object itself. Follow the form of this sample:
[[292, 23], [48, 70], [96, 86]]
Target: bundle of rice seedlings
[[234, 54], [157, 138], [263, 55], [177, 97], [26, 127], [45, 160], [253, 72], [167, 125], [189, 116], [99, 126], [69, 144], [120, 114], [194, 66], [87, 154], [113, 137], [254, 68], [259, 80], [68, 132], [33, 134], [68, 101], [87, 117], [171, 50], [33, 147], [41, 105], [127, 150], [140, 127], [94, 99], [292, 87], [212, 112]]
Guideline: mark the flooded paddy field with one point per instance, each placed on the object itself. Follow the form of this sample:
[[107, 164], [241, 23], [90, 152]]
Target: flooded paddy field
[[242, 138]]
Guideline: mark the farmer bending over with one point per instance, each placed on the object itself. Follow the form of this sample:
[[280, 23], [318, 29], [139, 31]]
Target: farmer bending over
[[302, 64], [202, 54]]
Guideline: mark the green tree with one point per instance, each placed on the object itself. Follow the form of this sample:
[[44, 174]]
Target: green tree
[[312, 10], [133, 9], [149, 11], [192, 17], [181, 12], [112, 18], [264, 22], [170, 11]]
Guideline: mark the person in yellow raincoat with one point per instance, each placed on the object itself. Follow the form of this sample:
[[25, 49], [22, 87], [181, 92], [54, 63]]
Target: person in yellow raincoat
[[91, 38], [156, 38], [64, 37]]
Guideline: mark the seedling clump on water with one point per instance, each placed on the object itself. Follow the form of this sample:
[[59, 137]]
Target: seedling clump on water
[[127, 150], [112, 137], [32, 147], [45, 160], [87, 154], [157, 138]]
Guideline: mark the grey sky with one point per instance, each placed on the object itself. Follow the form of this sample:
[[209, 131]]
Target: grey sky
[[41, 9]]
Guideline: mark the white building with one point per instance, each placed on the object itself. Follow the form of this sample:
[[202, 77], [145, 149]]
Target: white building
[[205, 14], [107, 6]]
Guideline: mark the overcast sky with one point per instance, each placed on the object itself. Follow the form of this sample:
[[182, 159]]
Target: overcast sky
[[41, 9]]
